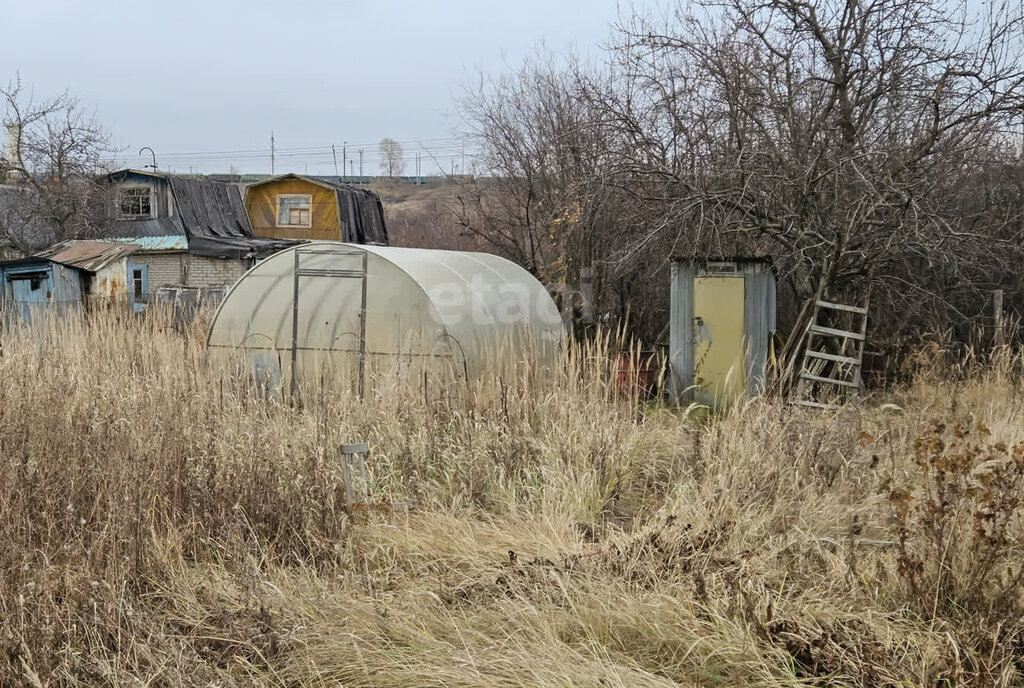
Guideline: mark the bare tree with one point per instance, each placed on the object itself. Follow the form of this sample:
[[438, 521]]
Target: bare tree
[[848, 140], [546, 200], [392, 161], [839, 136], [53, 156]]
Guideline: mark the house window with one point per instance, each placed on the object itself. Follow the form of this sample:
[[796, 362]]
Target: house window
[[293, 210], [136, 201]]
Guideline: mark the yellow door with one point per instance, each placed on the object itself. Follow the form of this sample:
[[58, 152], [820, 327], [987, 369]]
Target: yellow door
[[718, 336]]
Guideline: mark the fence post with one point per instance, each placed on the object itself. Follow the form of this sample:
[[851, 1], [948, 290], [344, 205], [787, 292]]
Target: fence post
[[354, 471], [999, 338]]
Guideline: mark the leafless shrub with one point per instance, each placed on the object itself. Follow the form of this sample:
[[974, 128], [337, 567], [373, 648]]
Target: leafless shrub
[[52, 170], [856, 144]]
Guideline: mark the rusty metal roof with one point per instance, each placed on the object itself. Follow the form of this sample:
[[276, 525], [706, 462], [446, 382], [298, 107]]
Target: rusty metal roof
[[91, 256]]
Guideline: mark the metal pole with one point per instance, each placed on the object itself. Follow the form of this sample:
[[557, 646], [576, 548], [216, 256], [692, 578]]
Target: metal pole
[[295, 323], [334, 154], [362, 332]]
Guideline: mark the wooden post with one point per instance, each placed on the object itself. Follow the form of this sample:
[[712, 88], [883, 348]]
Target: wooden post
[[354, 471], [587, 294], [999, 337]]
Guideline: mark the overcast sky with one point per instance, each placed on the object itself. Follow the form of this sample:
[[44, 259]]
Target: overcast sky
[[188, 76]]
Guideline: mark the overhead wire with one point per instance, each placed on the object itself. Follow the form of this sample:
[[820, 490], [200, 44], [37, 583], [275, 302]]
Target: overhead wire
[[321, 157]]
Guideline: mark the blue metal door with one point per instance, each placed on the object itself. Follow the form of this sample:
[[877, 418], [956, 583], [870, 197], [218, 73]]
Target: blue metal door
[[28, 291], [138, 283]]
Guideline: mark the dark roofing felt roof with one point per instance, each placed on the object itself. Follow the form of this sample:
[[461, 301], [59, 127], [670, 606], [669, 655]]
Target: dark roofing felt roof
[[211, 214], [149, 227], [210, 208]]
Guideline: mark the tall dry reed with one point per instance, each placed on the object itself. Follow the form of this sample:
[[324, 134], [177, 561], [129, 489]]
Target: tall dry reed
[[164, 521]]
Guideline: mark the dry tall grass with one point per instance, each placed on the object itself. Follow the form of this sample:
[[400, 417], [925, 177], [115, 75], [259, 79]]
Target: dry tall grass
[[163, 523]]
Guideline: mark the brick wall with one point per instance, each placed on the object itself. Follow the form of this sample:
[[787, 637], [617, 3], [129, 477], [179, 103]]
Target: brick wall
[[189, 269], [162, 268], [207, 272]]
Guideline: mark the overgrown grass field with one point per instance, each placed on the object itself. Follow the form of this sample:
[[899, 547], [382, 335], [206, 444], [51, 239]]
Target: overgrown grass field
[[164, 523]]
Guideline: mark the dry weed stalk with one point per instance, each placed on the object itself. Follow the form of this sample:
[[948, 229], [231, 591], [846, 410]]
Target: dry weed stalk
[[164, 522]]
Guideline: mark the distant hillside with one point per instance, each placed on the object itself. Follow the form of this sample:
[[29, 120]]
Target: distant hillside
[[419, 215]]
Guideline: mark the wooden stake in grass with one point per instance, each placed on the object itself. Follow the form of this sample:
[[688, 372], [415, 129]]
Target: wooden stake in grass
[[354, 461]]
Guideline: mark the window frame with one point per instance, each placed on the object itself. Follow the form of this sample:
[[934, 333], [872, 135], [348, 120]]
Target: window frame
[[135, 187], [309, 210]]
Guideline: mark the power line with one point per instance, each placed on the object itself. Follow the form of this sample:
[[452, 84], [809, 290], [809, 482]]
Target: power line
[[440, 150], [455, 142], [452, 146]]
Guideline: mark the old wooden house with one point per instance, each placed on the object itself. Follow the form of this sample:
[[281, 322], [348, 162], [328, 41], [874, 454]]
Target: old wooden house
[[292, 206], [192, 232]]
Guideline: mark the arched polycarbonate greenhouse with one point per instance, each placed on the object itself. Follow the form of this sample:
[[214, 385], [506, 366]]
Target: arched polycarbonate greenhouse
[[329, 309]]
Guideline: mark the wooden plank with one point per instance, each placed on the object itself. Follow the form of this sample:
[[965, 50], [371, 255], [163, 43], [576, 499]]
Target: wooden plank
[[830, 381], [842, 307], [814, 404], [818, 329], [849, 360]]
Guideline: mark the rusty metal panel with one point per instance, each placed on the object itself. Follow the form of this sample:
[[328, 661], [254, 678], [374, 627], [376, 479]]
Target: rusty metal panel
[[91, 256]]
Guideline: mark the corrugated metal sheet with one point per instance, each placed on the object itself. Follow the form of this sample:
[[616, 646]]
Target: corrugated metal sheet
[[90, 256], [759, 308], [158, 243]]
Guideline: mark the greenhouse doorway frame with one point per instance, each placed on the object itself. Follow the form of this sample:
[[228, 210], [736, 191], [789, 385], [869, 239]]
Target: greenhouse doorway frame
[[299, 272]]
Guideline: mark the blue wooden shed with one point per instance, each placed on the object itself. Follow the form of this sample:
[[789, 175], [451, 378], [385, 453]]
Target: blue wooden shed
[[35, 285]]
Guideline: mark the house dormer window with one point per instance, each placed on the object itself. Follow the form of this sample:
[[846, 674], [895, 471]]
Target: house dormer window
[[136, 201], [293, 210]]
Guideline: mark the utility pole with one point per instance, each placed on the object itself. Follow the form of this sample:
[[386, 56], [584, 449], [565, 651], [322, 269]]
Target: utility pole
[[271, 152], [344, 153], [334, 154], [360, 163], [351, 168]]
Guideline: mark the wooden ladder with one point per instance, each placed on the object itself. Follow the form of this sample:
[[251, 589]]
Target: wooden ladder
[[833, 355]]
